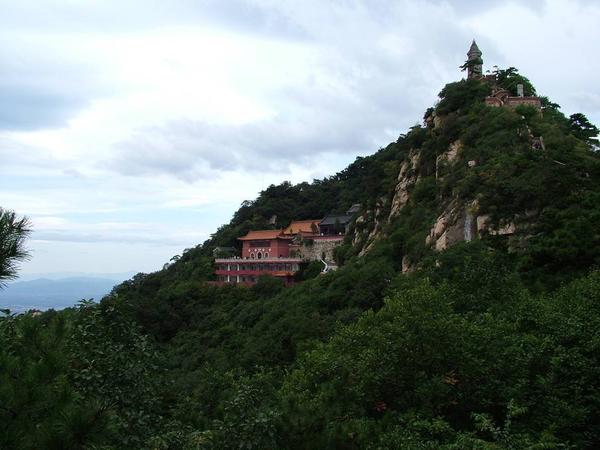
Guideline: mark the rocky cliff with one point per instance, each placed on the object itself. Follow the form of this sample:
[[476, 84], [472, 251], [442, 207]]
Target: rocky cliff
[[474, 171]]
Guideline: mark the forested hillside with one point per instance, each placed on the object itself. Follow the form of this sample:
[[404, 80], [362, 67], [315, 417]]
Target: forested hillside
[[487, 341]]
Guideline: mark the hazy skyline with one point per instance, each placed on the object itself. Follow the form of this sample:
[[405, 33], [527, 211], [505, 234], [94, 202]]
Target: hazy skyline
[[131, 130]]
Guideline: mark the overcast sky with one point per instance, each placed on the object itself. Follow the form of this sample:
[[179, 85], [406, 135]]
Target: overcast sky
[[130, 130]]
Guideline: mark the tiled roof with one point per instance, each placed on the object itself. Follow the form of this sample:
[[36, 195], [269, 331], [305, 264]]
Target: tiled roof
[[260, 235], [302, 226], [331, 219]]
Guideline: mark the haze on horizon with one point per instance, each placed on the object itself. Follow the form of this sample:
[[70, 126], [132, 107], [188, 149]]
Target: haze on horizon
[[131, 130]]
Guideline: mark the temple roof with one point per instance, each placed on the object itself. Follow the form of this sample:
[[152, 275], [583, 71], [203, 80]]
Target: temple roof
[[331, 219], [261, 235], [301, 226]]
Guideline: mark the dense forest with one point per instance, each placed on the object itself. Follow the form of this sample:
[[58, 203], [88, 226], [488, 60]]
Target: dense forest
[[488, 344]]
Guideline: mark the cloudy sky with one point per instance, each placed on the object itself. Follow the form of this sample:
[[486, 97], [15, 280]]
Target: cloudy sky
[[131, 129]]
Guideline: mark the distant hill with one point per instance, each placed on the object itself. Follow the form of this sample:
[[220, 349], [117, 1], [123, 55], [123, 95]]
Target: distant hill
[[45, 294]]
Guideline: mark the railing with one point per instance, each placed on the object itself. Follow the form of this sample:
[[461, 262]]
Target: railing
[[240, 260]]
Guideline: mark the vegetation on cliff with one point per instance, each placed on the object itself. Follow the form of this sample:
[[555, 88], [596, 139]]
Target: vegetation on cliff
[[486, 344]]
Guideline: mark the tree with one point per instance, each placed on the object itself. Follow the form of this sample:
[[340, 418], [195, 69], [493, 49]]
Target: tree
[[473, 64], [583, 129], [113, 364], [13, 232], [39, 407]]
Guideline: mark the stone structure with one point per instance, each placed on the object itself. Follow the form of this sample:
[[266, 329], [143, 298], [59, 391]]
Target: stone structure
[[474, 62], [499, 97], [316, 248], [502, 97]]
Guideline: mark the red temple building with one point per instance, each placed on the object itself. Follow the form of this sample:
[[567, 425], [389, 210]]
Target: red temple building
[[265, 244], [264, 252], [278, 253]]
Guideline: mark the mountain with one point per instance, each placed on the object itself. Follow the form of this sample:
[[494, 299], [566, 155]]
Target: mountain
[[464, 312], [44, 293], [471, 220], [117, 277]]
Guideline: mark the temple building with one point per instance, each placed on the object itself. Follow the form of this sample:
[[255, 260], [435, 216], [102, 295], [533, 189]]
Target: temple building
[[502, 97], [264, 252], [279, 253], [303, 228], [499, 97]]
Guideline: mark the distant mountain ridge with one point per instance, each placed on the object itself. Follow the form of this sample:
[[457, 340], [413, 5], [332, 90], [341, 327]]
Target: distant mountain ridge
[[43, 293], [116, 276]]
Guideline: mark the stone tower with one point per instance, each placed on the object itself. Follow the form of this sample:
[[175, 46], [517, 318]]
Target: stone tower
[[474, 62]]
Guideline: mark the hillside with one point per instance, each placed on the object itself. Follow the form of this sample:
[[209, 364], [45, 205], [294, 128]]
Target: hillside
[[462, 314]]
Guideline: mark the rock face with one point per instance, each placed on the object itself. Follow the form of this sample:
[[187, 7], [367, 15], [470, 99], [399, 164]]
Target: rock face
[[407, 178], [375, 220], [379, 220], [461, 220], [457, 223]]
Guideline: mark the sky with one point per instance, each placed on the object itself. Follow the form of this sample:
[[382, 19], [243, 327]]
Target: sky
[[130, 130]]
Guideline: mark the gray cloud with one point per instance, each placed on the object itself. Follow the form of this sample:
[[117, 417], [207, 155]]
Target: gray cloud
[[43, 88], [252, 16], [371, 93], [26, 108], [474, 7], [13, 153], [32, 96], [314, 124], [132, 238]]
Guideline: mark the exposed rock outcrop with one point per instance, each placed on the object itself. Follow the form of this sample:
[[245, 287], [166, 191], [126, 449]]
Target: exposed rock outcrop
[[454, 225], [407, 178]]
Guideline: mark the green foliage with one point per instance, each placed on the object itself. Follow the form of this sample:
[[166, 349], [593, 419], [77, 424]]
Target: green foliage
[[461, 95], [13, 232], [428, 370], [115, 365], [309, 270], [39, 407], [472, 64], [510, 78], [474, 348], [583, 129]]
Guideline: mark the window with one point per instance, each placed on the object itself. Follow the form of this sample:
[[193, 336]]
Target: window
[[266, 255], [259, 255], [256, 244]]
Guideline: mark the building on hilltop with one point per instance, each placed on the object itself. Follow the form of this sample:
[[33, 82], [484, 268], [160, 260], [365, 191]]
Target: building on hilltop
[[502, 97], [474, 64], [335, 224], [265, 244], [499, 97], [338, 224], [303, 227], [247, 271], [264, 252], [279, 253]]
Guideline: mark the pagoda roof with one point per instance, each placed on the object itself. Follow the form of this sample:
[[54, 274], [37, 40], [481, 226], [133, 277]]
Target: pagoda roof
[[302, 226], [474, 49], [261, 235]]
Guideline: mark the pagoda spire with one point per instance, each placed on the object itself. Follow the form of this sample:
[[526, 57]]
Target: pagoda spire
[[474, 62]]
